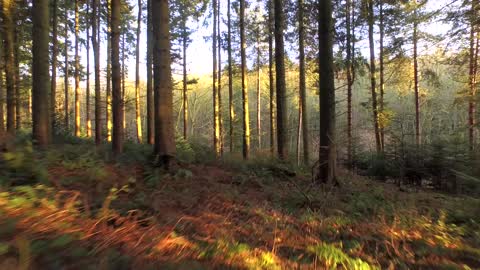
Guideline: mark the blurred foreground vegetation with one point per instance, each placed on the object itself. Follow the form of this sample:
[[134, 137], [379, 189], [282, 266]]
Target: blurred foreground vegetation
[[74, 207]]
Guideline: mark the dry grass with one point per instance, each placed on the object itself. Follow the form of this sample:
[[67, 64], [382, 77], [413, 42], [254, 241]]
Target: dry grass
[[227, 219]]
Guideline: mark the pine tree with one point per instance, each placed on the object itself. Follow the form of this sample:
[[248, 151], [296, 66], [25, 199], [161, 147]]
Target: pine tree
[[165, 149], [327, 152], [40, 74]]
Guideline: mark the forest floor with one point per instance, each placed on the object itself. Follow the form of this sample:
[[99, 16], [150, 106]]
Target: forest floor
[[71, 208]]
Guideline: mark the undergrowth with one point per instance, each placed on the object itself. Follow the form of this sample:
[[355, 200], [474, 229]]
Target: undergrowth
[[74, 206]]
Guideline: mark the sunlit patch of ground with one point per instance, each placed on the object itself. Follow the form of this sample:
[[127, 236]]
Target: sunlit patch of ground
[[204, 217]]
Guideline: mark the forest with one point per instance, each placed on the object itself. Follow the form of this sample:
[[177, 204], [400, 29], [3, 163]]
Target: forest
[[239, 134]]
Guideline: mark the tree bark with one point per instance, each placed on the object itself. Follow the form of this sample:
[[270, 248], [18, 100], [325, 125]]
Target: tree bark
[[88, 119], [271, 77], [40, 74], [230, 76], [124, 99], [216, 118], [117, 104], [66, 90], [53, 85], [303, 84], [77, 72], [2, 86], [373, 79], [108, 99], [327, 151], [18, 98], [282, 142], [472, 77], [245, 112], [219, 91], [164, 130], [259, 96], [150, 100], [96, 56], [350, 66], [185, 82], [138, 115], [8, 9], [382, 75], [415, 78]]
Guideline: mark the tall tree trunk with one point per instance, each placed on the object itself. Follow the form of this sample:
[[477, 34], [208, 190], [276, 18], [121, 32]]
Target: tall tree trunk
[[303, 84], [88, 119], [373, 79], [150, 103], [350, 66], [117, 104], [53, 85], [138, 115], [109, 104], [96, 56], [66, 71], [124, 98], [40, 74], [216, 118], [415, 78], [164, 130], [382, 75], [77, 72], [2, 86], [8, 10], [18, 98], [185, 82], [472, 75], [282, 142], [259, 96], [327, 151], [271, 75], [245, 112], [230, 76], [219, 92]]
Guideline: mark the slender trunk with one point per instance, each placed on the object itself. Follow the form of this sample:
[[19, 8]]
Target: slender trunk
[[271, 75], [117, 104], [40, 74], [282, 142], [327, 151], [124, 99], [18, 98], [77, 72], [150, 105], [245, 112], [230, 76], [185, 85], [472, 75], [138, 115], [216, 118], [349, 79], [163, 87], [8, 8], [415, 78], [382, 76], [259, 92], [219, 92], [373, 79], [66, 90], [2, 86], [96, 56], [299, 134], [108, 110], [53, 85], [88, 120], [303, 85]]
